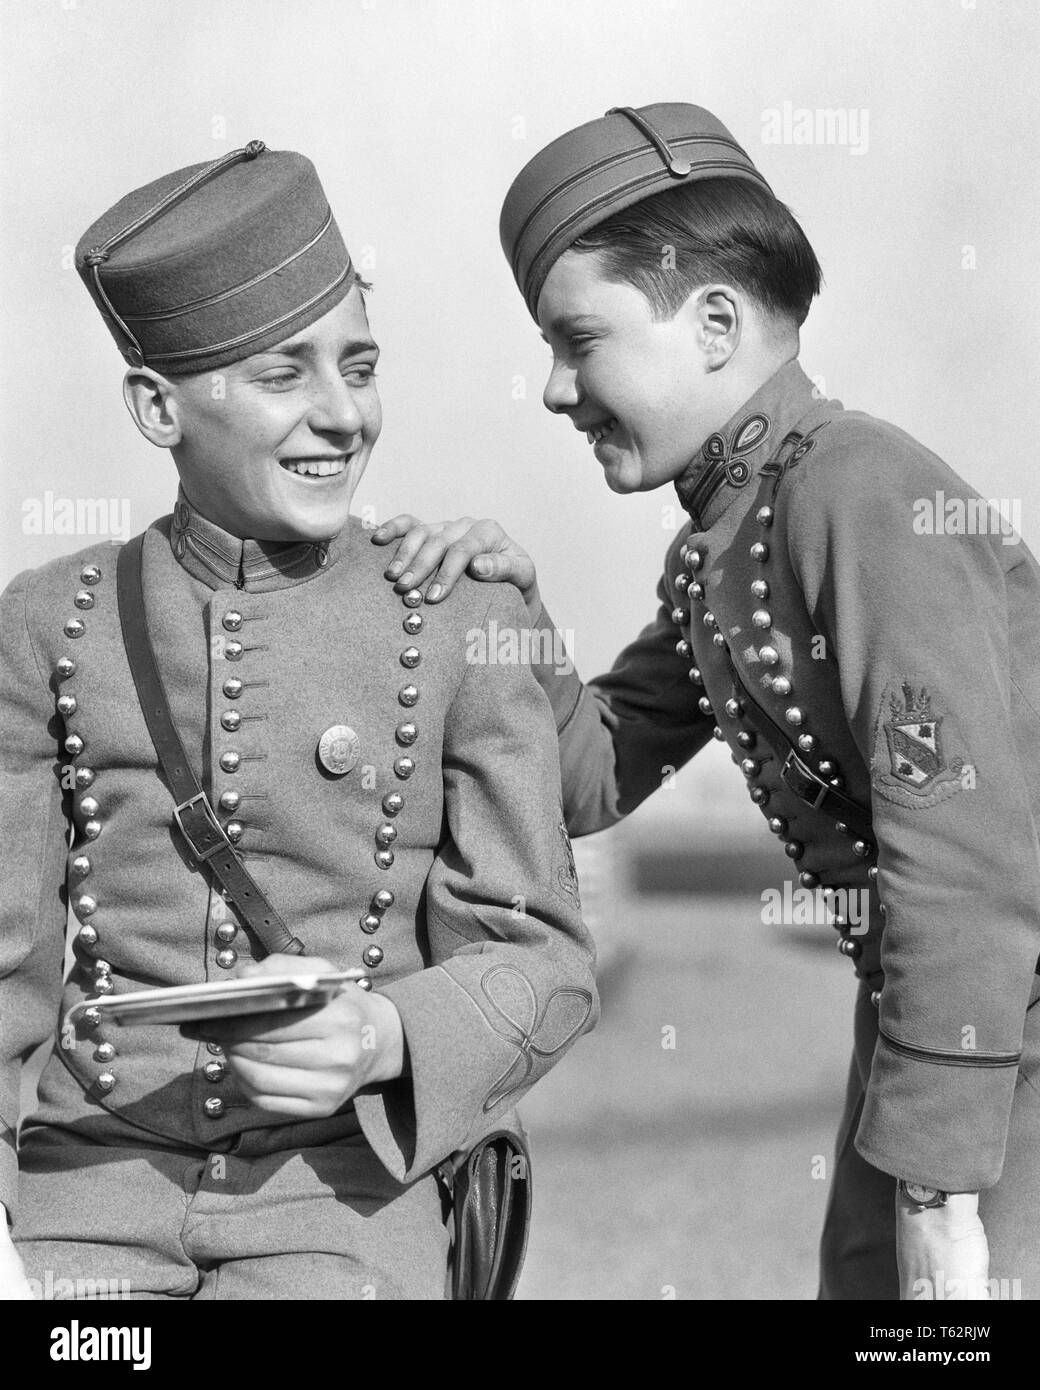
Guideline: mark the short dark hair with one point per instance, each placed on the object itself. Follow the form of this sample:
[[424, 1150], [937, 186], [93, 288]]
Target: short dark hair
[[715, 229]]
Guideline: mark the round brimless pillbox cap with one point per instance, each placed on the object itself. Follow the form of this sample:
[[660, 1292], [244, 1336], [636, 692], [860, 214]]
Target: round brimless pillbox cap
[[600, 168], [215, 262]]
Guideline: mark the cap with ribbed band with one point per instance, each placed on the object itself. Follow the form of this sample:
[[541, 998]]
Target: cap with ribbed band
[[601, 167], [215, 262]]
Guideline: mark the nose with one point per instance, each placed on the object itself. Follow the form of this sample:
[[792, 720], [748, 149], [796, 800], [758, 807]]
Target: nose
[[562, 392], [334, 409]]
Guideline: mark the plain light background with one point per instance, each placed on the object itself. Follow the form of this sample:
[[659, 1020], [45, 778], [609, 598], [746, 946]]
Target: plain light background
[[418, 113]]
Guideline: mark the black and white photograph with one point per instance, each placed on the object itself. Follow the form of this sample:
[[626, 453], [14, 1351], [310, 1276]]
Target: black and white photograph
[[520, 662]]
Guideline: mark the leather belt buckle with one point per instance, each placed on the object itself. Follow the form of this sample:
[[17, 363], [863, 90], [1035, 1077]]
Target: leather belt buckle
[[803, 781], [209, 824]]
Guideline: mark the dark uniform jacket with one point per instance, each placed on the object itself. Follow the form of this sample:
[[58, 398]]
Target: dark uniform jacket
[[903, 665], [452, 808]]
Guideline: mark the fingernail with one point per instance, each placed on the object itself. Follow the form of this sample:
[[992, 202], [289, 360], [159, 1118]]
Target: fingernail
[[379, 533], [434, 592], [482, 565], [393, 570], [405, 580]]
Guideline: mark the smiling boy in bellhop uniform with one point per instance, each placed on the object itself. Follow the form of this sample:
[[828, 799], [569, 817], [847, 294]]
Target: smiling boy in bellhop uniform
[[399, 807], [877, 681]]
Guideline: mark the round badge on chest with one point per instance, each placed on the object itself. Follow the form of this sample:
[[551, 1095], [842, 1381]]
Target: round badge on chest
[[339, 749]]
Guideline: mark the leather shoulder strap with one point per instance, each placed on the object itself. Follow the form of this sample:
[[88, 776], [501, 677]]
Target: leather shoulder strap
[[192, 811]]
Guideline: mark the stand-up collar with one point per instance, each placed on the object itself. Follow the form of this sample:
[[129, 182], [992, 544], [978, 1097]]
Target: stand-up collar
[[730, 458], [216, 557]]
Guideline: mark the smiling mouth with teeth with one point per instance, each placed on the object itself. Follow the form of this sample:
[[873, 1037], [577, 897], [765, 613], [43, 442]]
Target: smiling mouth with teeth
[[315, 468], [600, 431]]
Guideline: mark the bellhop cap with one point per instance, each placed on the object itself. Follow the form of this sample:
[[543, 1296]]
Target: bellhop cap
[[215, 262], [601, 167]]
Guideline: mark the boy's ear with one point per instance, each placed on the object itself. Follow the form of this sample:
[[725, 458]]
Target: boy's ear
[[719, 314], [153, 405]]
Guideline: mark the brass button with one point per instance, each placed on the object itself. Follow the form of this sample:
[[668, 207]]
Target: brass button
[[383, 900], [764, 516], [226, 958], [410, 657], [412, 599], [66, 667], [67, 705], [232, 620], [780, 685], [392, 803], [106, 1081], [226, 931], [74, 745], [760, 552], [90, 574], [761, 617], [234, 830], [233, 651], [404, 767], [413, 624], [214, 1107], [230, 762], [104, 1052], [386, 834], [794, 716], [806, 743], [230, 720], [84, 599], [384, 858], [214, 1071], [372, 956], [769, 656], [81, 866], [75, 627], [89, 807], [232, 687], [87, 936], [406, 734], [84, 778], [364, 983], [229, 801], [760, 589], [92, 829], [215, 1049], [408, 695], [683, 649], [84, 906], [794, 849], [370, 923]]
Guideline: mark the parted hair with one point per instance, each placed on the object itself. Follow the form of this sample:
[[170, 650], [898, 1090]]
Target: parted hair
[[713, 229]]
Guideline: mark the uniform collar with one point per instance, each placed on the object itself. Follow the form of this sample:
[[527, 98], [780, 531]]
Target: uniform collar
[[730, 458], [216, 557]]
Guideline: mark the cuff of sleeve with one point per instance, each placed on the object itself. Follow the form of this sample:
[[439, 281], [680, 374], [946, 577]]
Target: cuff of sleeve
[[937, 1124], [414, 1124], [562, 688]]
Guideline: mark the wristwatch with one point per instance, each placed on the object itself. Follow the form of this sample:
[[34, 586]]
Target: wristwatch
[[921, 1196]]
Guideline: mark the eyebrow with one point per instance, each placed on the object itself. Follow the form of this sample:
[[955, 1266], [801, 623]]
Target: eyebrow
[[306, 349], [567, 323]]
